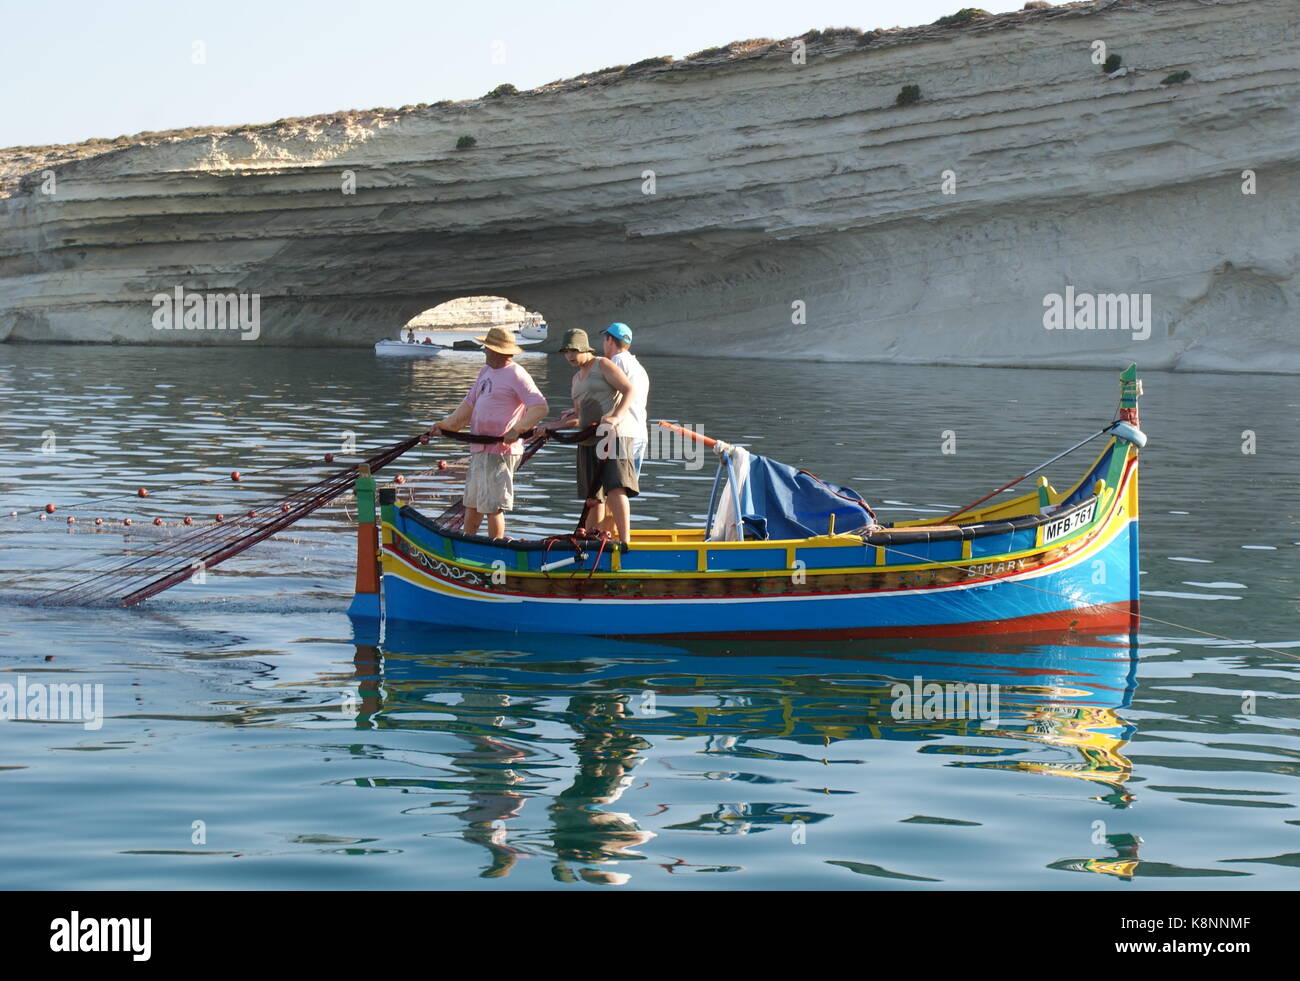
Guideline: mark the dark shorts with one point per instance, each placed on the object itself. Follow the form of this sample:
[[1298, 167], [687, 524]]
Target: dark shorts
[[617, 471]]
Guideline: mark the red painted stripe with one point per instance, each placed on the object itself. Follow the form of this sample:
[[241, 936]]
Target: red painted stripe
[[1054, 628]]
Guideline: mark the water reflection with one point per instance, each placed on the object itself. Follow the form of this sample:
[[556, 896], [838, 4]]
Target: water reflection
[[553, 729]]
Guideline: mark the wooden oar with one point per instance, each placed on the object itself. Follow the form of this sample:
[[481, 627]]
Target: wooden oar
[[708, 441]]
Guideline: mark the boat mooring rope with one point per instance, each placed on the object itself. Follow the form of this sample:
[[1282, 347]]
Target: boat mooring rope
[[1053, 593]]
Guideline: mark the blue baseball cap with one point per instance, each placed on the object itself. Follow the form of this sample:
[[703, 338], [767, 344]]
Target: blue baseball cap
[[620, 332]]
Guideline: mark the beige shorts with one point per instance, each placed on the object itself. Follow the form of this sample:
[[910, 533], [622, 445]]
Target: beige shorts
[[490, 483]]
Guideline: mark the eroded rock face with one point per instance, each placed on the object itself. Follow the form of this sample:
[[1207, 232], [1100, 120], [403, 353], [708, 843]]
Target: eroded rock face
[[781, 193], [476, 312]]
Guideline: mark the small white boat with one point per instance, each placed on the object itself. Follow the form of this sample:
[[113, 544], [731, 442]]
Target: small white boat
[[434, 343]]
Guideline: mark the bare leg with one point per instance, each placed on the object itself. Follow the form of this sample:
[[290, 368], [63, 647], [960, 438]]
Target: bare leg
[[597, 517], [497, 524], [472, 519], [620, 512]]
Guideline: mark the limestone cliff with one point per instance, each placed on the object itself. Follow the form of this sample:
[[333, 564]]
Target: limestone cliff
[[473, 312], [781, 192]]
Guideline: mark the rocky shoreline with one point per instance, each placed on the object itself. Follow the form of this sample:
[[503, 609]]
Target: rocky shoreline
[[738, 201]]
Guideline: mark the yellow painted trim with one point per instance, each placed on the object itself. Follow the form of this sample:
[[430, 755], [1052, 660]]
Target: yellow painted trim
[[391, 564], [966, 548], [1107, 510]]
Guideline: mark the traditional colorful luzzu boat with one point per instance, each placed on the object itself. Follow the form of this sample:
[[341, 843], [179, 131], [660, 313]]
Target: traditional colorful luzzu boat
[[1042, 561]]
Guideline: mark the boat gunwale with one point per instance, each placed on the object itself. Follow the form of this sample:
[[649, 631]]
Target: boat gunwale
[[1068, 552], [911, 531], [1078, 539]]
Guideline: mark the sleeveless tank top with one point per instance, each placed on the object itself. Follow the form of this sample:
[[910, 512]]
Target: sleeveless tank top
[[596, 399]]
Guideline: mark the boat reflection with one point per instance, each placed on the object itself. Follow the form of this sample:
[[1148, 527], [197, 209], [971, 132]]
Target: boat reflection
[[564, 722]]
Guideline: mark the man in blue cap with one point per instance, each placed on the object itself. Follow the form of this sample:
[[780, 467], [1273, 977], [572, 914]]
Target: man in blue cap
[[618, 338]]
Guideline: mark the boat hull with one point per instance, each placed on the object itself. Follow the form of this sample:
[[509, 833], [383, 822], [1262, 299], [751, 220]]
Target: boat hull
[[1060, 599], [1015, 582], [403, 349]]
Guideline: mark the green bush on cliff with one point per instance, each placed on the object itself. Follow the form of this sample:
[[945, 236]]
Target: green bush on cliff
[[827, 33], [908, 94], [1177, 78], [650, 63], [963, 16], [465, 142], [504, 89], [1111, 63]]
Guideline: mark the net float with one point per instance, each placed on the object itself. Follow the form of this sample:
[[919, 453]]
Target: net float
[[142, 493], [98, 522], [284, 508], [188, 520], [221, 517], [234, 475], [71, 520], [42, 517], [399, 479], [252, 514], [49, 509], [158, 522], [127, 522], [329, 457], [442, 464]]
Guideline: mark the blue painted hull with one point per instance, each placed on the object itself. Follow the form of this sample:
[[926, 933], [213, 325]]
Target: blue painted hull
[[1036, 601]]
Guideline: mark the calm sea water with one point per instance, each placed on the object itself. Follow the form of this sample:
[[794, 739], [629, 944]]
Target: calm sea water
[[251, 739]]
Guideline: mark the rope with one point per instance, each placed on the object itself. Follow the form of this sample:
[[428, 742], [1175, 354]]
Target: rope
[[1053, 593], [170, 487]]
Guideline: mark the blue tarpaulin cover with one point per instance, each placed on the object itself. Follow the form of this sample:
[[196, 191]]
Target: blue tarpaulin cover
[[778, 501]]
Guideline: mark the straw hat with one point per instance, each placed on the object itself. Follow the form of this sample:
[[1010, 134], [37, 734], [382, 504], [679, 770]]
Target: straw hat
[[501, 341]]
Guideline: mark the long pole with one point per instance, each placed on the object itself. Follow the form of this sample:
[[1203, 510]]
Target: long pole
[[1028, 473]]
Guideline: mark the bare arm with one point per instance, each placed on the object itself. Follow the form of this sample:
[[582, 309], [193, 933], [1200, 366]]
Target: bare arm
[[531, 417], [621, 384], [457, 421]]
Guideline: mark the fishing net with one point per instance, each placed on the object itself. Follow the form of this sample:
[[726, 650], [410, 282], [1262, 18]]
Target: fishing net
[[163, 554]]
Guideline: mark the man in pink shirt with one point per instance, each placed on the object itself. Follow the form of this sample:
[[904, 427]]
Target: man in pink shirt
[[503, 401]]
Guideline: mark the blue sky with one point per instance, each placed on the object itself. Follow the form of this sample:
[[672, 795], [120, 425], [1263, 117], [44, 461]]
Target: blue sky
[[92, 68]]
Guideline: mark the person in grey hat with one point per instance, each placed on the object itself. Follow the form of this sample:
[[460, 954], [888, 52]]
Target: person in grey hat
[[606, 476], [617, 339]]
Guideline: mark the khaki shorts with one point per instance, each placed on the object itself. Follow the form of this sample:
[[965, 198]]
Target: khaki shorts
[[618, 471], [490, 483]]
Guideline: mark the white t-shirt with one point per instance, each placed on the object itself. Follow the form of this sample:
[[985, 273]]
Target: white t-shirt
[[630, 366]]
